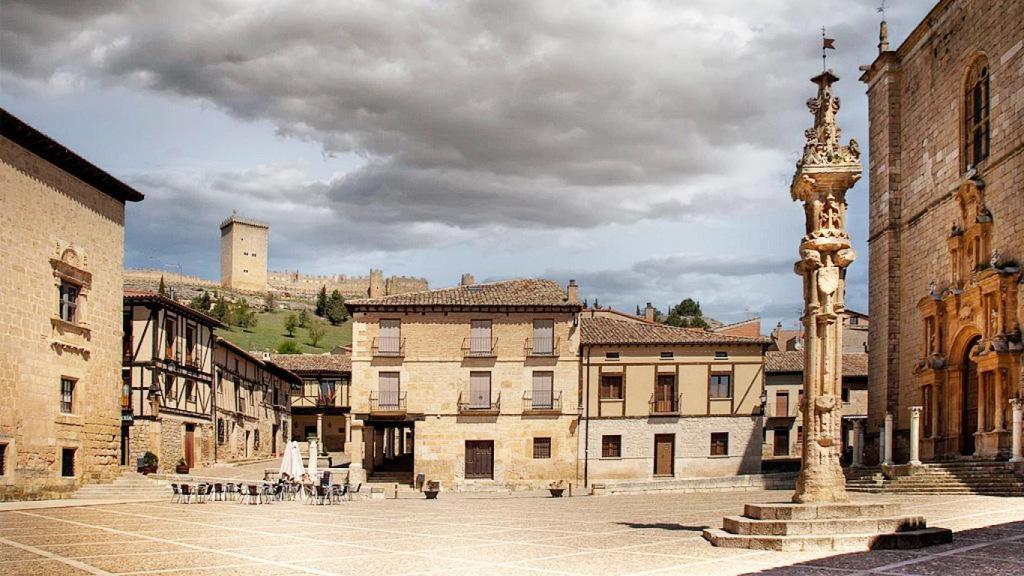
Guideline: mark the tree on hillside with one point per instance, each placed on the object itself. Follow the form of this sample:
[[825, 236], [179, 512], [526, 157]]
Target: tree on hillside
[[317, 330], [162, 289], [686, 314], [201, 302], [321, 302], [221, 310], [290, 323], [303, 318], [335, 311], [288, 347], [242, 315], [271, 301]]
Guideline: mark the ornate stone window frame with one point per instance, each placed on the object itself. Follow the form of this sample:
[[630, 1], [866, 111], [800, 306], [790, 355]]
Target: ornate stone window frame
[[69, 265]]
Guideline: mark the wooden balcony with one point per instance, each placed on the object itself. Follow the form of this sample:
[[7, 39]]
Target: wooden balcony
[[774, 410], [468, 407], [665, 406], [479, 347], [543, 347], [542, 403], [389, 347], [388, 405]]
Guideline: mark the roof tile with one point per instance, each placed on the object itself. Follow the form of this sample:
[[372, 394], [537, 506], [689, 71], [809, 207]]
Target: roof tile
[[603, 330]]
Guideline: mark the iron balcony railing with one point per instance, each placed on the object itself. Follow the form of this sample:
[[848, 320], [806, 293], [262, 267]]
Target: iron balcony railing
[[392, 346], [469, 404], [479, 347], [542, 401], [387, 402], [665, 406], [543, 346]]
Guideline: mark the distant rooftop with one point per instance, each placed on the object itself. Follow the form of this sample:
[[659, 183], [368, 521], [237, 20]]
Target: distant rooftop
[[604, 330], [236, 219], [526, 292]]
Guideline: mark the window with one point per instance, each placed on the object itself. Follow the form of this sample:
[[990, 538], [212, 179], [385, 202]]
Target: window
[[169, 326], [721, 386], [611, 355], [782, 404], [854, 321], [800, 399], [799, 435], [845, 394], [220, 431], [926, 401], [976, 116], [190, 390], [480, 390], [719, 443], [720, 355], [390, 339], [190, 344], [68, 308], [129, 338], [667, 355], [480, 342], [277, 395], [543, 336], [67, 395], [67, 462], [388, 389], [543, 390], [541, 448], [256, 440], [611, 387], [3, 459], [168, 385], [611, 446]]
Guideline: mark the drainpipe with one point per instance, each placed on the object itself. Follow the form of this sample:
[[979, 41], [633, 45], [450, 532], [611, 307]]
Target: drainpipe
[[586, 427]]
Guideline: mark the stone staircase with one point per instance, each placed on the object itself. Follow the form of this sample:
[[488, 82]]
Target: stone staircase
[[962, 477], [128, 486]]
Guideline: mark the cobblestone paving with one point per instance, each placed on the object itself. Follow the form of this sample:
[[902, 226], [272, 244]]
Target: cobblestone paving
[[636, 534]]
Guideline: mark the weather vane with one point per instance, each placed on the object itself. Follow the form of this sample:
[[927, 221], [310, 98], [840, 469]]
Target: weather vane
[[881, 9], [826, 44]]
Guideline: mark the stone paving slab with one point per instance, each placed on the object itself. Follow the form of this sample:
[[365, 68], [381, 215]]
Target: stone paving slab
[[650, 534]]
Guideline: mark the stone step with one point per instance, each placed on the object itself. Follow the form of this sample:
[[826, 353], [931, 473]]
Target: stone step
[[788, 511], [748, 526], [840, 542]]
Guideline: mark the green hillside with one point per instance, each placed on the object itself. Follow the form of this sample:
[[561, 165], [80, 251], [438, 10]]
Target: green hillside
[[269, 332]]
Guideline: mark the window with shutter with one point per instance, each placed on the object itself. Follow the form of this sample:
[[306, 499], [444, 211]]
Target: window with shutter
[[388, 389], [480, 390], [543, 336], [480, 342], [390, 339], [543, 390]]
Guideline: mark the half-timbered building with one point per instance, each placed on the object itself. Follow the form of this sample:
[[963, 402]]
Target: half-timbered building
[[168, 375], [252, 400], [321, 407]]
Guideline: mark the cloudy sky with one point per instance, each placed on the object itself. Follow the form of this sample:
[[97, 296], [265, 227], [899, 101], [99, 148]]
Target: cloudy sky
[[643, 148]]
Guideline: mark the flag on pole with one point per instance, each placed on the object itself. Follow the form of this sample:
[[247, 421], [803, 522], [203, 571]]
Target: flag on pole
[[828, 43]]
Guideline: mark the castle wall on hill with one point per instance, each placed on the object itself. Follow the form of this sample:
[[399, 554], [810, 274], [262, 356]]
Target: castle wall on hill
[[296, 283], [148, 276]]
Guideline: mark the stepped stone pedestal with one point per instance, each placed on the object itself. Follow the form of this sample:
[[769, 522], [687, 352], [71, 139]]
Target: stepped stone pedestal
[[815, 527]]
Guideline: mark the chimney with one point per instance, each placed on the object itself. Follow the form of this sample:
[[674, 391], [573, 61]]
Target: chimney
[[883, 37], [649, 313], [376, 289], [572, 292], [467, 280]]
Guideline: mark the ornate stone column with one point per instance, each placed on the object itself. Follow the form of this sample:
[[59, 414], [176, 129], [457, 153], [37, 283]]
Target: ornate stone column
[[823, 175], [887, 454], [858, 443], [319, 432], [915, 435], [1018, 429]]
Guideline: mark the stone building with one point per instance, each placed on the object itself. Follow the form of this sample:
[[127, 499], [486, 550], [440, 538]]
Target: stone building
[[167, 400], [243, 254], [946, 112], [784, 390], [320, 407], [473, 386], [252, 404], [662, 402], [62, 229]]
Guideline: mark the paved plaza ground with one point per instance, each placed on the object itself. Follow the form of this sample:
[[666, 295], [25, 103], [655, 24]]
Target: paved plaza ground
[[461, 534]]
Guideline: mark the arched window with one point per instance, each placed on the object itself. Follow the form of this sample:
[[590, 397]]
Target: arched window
[[976, 108]]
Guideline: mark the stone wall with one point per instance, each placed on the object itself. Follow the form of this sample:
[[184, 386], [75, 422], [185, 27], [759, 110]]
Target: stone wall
[[692, 446], [297, 284], [53, 224], [916, 101]]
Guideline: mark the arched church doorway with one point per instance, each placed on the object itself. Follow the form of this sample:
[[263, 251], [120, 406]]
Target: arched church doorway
[[969, 406]]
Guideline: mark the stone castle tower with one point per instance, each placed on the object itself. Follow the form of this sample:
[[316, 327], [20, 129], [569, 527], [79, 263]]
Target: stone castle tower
[[243, 254]]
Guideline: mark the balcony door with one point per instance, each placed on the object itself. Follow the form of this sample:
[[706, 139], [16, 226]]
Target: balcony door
[[780, 442], [388, 390], [665, 393], [390, 340], [782, 404], [543, 390], [543, 336], [480, 337], [480, 390]]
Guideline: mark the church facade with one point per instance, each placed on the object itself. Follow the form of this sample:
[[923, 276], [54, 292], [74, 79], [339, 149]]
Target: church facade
[[946, 236]]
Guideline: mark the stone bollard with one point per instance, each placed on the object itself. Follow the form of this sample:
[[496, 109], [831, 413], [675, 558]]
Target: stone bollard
[[887, 457], [858, 443], [915, 435]]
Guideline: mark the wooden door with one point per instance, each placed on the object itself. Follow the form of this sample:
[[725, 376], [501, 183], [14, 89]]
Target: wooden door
[[969, 420], [479, 459], [190, 445], [781, 442], [665, 394], [664, 454], [782, 404]]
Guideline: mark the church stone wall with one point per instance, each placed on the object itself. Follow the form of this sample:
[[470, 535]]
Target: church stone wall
[[916, 101]]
